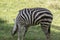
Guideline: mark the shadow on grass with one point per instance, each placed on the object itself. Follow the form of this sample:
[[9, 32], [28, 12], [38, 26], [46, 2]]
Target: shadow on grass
[[5, 30], [34, 33], [2, 21]]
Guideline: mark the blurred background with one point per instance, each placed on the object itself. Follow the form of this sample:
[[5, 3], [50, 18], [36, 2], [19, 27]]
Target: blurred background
[[9, 10]]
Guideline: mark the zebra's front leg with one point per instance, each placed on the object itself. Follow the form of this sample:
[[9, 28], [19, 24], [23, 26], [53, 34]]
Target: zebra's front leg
[[19, 35], [21, 32], [25, 29]]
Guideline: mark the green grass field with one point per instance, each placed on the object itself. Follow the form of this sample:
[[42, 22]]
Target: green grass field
[[9, 10]]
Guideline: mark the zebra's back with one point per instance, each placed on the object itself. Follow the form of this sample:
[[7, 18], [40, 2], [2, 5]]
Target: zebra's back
[[33, 16]]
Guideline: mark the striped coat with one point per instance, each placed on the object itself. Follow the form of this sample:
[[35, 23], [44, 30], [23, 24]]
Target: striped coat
[[33, 16]]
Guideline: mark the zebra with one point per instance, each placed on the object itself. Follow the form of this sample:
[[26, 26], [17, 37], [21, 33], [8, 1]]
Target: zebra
[[32, 16]]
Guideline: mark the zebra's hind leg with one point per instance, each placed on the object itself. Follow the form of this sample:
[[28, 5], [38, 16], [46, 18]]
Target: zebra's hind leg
[[46, 30]]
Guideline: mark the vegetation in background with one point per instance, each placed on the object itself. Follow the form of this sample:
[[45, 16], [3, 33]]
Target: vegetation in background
[[9, 10]]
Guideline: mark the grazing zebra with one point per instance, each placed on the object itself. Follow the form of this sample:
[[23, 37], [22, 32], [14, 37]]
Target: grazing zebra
[[32, 16]]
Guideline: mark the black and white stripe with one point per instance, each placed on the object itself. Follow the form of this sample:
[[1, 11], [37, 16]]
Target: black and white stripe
[[34, 16]]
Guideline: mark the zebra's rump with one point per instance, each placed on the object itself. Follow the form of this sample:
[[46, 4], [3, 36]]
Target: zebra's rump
[[34, 16]]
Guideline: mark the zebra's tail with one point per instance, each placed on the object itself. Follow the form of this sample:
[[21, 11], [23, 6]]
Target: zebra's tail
[[15, 28]]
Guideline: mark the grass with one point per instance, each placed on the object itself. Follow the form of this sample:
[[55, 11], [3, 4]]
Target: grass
[[9, 10]]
